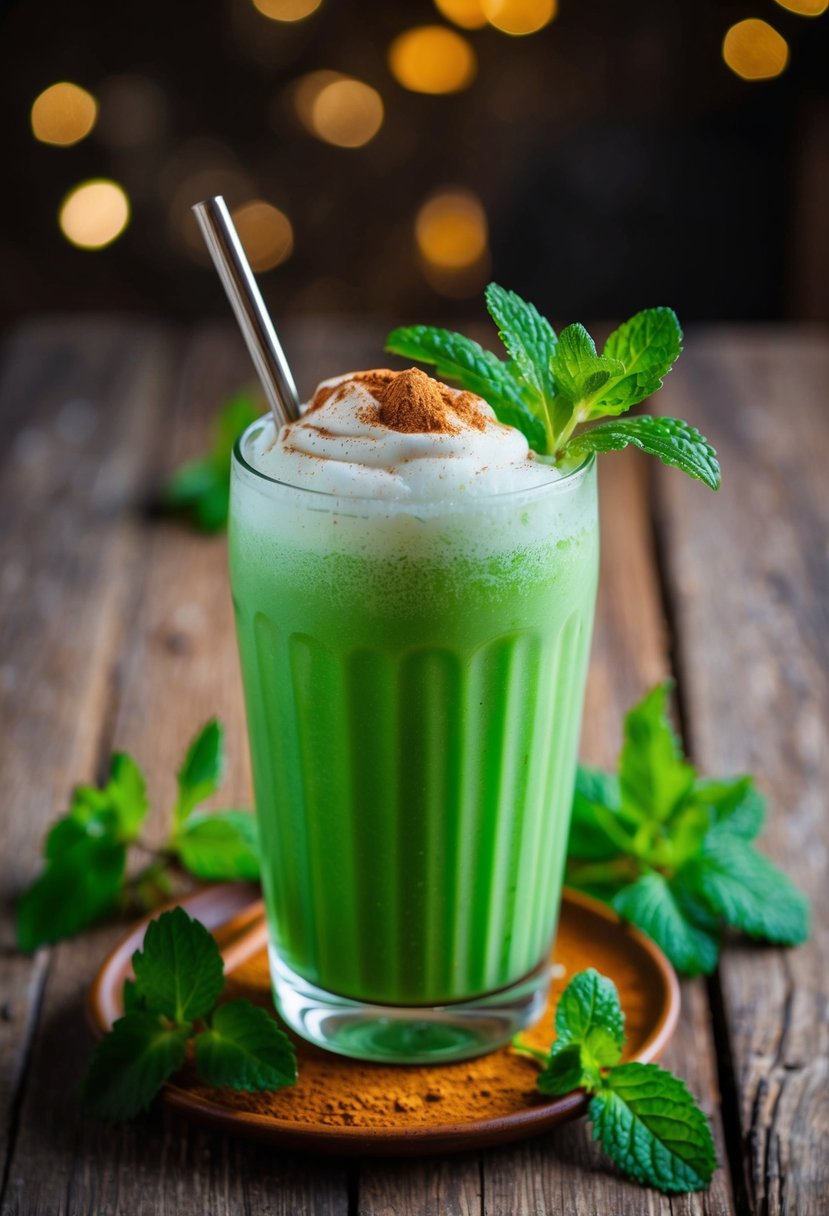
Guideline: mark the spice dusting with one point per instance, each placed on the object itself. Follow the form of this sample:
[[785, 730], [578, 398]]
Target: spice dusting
[[410, 402]]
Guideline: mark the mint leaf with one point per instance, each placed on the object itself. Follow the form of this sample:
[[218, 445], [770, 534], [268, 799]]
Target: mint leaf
[[133, 1002], [736, 807], [202, 771], [201, 488], [590, 1002], [675, 443], [179, 972], [80, 884], [458, 358], [127, 791], [650, 1125], [653, 776], [245, 1049], [130, 1064], [597, 832], [563, 1072], [647, 345], [748, 891], [529, 338], [667, 914], [581, 376], [220, 846]]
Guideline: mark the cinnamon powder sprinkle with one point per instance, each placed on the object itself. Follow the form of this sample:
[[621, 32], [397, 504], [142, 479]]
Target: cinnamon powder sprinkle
[[410, 402]]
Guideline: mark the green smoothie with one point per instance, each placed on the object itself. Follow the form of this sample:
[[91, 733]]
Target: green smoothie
[[414, 676]]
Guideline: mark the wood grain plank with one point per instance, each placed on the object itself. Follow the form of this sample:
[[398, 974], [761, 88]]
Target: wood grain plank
[[749, 581], [77, 402], [565, 1172], [178, 668]]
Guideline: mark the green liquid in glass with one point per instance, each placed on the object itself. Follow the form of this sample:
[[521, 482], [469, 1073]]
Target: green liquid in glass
[[414, 701]]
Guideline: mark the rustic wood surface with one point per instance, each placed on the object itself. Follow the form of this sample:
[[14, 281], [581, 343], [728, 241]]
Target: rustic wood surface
[[115, 631]]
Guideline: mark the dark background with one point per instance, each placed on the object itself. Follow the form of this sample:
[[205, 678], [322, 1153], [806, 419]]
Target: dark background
[[619, 161]]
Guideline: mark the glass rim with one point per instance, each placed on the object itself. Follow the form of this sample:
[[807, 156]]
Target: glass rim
[[565, 481]]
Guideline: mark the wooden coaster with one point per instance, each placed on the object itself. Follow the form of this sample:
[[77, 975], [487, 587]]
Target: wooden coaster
[[347, 1106]]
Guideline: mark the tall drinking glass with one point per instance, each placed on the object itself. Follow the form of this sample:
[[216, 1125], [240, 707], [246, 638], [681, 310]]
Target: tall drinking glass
[[414, 676]]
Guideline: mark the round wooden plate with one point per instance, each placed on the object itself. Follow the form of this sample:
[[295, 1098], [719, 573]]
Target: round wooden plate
[[344, 1106]]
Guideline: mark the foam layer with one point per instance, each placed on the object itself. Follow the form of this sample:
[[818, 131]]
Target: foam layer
[[342, 446]]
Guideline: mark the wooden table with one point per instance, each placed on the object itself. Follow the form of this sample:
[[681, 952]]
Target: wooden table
[[117, 632]]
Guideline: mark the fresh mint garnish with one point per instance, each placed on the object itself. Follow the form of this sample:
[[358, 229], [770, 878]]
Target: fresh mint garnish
[[179, 977], [673, 853], [200, 489], [644, 1117], [675, 442], [86, 850], [552, 384]]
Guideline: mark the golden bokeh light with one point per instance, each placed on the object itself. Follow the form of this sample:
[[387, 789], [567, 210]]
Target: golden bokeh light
[[63, 114], [340, 110], [469, 14], [265, 232], [432, 59], [805, 8], [519, 17], [94, 214], [754, 50], [286, 10], [451, 230]]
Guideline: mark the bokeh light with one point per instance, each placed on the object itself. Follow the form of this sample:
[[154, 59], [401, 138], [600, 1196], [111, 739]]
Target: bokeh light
[[432, 59], [63, 114], [451, 230], [805, 8], [469, 14], [286, 10], [754, 50], [265, 232], [339, 109], [94, 213], [519, 17]]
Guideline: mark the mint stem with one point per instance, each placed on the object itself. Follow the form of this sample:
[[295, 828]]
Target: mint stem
[[532, 1053]]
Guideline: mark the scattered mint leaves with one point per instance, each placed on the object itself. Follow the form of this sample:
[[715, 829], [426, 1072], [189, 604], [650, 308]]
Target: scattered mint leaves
[[179, 971], [131, 1063], [200, 489], [201, 773], [85, 852], [648, 1122], [245, 1049], [644, 1117], [673, 853], [220, 846], [552, 384], [653, 776], [179, 977], [660, 907], [79, 885]]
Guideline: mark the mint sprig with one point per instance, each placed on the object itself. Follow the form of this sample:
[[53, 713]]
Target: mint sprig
[[673, 853], [552, 384], [200, 489], [86, 851], [171, 1004], [644, 1117]]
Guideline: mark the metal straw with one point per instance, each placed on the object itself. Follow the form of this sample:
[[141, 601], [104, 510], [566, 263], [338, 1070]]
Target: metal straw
[[234, 270]]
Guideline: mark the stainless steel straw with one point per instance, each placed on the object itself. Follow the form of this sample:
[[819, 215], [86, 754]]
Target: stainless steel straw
[[234, 270]]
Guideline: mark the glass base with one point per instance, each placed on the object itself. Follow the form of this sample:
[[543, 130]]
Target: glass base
[[397, 1034]]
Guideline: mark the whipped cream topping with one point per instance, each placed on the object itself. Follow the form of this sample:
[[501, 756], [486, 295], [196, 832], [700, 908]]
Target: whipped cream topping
[[382, 434]]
